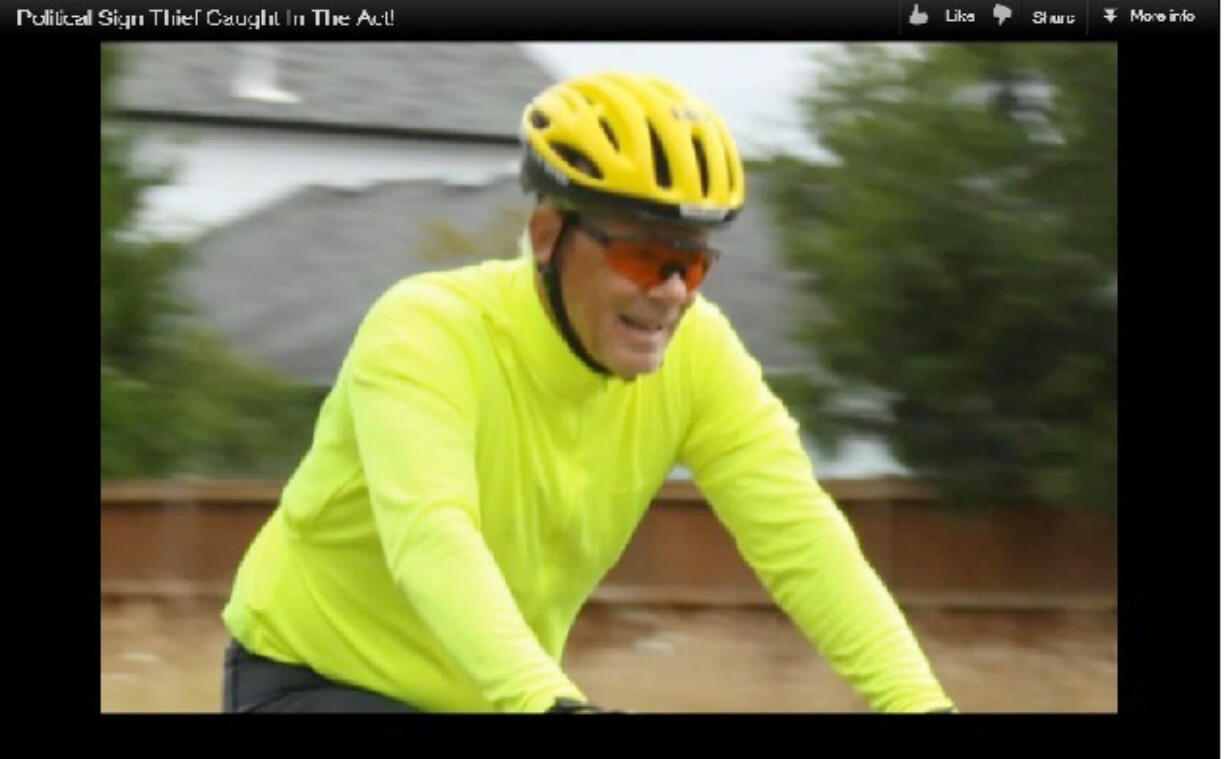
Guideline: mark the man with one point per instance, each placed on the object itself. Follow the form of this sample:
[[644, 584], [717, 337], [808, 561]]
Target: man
[[496, 433]]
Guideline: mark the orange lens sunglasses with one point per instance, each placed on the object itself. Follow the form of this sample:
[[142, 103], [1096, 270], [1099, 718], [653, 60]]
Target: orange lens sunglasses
[[649, 262]]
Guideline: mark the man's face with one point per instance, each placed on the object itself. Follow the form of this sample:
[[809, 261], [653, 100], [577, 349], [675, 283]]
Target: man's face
[[625, 328]]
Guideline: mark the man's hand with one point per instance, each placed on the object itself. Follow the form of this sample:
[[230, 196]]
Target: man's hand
[[572, 706]]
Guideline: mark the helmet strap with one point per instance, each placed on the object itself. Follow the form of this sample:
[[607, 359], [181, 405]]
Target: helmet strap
[[551, 274]]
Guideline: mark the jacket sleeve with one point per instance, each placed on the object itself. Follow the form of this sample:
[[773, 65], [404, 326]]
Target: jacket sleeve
[[412, 391], [744, 450]]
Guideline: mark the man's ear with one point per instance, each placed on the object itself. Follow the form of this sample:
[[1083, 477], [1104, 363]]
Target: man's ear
[[544, 225]]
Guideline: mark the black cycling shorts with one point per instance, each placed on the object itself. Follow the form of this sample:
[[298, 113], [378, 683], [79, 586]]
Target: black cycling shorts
[[253, 683]]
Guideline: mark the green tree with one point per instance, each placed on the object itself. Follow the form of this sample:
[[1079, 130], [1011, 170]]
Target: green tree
[[961, 260], [173, 399]]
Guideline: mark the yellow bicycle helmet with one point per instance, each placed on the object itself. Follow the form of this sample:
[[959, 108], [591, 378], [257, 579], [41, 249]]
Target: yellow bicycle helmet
[[632, 143]]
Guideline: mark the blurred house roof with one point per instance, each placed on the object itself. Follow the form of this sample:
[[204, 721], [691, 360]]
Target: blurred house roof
[[289, 284], [474, 90]]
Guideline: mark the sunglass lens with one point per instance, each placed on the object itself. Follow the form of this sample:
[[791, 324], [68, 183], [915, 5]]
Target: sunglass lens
[[648, 264]]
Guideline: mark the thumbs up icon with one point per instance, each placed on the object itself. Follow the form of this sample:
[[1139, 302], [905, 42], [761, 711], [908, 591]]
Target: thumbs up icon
[[917, 16]]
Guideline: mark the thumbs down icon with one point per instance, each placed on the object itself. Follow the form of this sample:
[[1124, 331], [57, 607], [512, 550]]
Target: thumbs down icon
[[1002, 12], [917, 16]]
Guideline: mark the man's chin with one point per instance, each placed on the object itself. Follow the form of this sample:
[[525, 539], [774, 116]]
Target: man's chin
[[629, 367]]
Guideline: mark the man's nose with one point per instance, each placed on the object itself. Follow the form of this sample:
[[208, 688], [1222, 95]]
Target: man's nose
[[673, 287]]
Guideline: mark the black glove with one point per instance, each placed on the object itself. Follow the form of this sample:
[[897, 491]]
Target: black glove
[[573, 706]]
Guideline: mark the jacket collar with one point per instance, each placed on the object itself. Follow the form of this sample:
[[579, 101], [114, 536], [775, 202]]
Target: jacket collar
[[540, 343]]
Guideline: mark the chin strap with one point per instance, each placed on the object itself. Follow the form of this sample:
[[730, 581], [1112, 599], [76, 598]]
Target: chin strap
[[552, 276]]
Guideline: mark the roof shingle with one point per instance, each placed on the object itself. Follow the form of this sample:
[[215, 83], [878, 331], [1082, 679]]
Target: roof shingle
[[456, 88], [288, 285]]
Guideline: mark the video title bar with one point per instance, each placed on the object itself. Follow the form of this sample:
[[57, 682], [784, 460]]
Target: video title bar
[[879, 20]]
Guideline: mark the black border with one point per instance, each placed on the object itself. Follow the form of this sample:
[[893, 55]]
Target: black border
[[1169, 271], [1169, 131]]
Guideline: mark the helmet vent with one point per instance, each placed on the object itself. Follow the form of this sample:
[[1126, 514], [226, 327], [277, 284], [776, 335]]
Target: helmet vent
[[577, 159], [538, 119], [731, 174], [663, 177], [608, 130], [702, 165]]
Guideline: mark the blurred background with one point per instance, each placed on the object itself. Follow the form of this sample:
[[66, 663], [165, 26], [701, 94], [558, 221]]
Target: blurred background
[[926, 270]]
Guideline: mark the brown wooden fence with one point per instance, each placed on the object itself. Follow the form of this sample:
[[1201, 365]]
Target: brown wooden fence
[[186, 538]]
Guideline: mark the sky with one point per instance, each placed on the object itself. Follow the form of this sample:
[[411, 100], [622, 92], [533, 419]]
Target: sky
[[754, 86]]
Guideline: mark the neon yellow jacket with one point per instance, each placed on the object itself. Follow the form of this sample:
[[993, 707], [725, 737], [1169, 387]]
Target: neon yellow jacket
[[470, 481]]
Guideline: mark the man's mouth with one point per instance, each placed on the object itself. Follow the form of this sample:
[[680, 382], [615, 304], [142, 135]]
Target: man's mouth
[[648, 327]]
